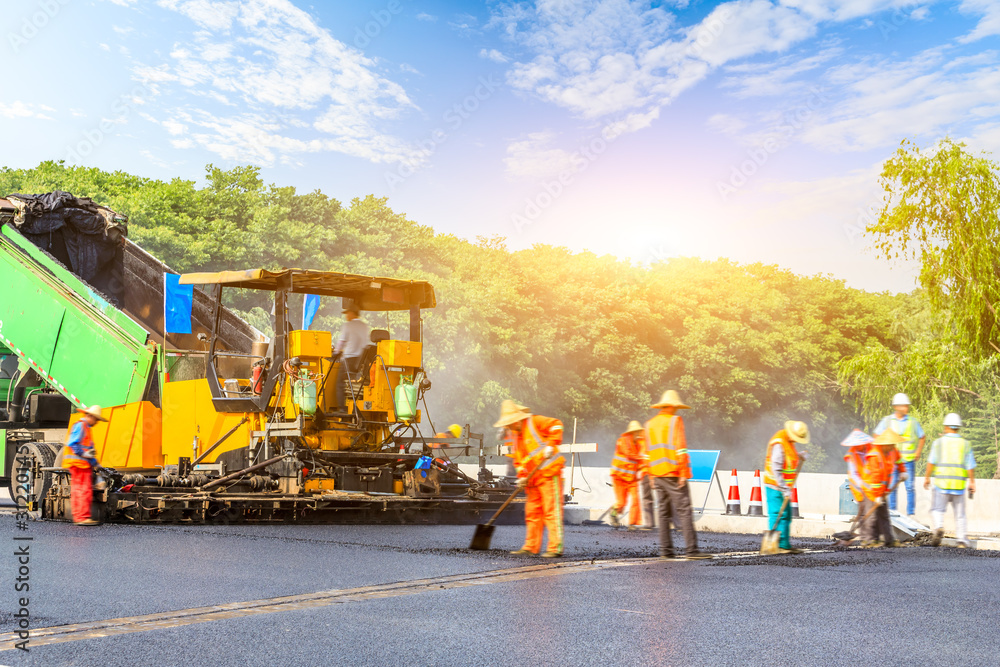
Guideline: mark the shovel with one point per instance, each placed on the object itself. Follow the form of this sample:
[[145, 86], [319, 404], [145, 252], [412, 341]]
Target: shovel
[[484, 531], [845, 538], [769, 544]]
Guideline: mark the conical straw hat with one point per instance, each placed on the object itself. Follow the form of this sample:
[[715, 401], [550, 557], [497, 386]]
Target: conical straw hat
[[888, 437], [94, 411], [633, 426], [670, 399], [510, 413]]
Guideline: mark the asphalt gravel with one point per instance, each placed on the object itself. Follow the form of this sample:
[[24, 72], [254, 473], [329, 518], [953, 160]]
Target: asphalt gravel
[[847, 606]]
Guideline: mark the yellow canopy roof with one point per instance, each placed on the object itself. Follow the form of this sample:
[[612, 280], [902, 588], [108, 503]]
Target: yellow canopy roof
[[368, 292]]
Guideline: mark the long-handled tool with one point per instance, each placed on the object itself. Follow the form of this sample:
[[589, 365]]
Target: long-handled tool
[[599, 521], [844, 538], [769, 543], [484, 531]]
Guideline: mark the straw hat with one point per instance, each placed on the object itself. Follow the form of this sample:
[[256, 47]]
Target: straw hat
[[888, 437], [797, 431], [857, 438], [670, 399], [510, 413], [94, 411], [633, 426]]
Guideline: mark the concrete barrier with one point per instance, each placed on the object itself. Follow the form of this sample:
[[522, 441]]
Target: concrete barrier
[[819, 497]]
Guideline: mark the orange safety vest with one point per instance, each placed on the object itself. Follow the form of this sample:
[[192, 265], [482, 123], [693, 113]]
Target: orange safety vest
[[69, 457], [856, 456], [876, 473], [667, 447], [528, 448], [626, 462], [791, 459]]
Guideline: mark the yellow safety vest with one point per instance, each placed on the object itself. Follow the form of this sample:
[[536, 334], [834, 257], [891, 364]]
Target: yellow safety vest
[[950, 473], [907, 448]]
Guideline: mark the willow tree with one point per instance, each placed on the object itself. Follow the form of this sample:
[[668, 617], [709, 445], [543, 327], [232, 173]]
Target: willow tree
[[941, 208]]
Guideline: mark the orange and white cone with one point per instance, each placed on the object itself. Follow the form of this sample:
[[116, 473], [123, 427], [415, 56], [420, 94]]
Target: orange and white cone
[[795, 503], [733, 501], [756, 507]]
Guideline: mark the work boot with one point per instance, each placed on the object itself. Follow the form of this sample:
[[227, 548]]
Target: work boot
[[88, 522], [523, 552], [964, 544], [668, 554], [644, 529], [868, 544], [790, 550], [552, 554], [613, 519], [697, 555], [936, 540]]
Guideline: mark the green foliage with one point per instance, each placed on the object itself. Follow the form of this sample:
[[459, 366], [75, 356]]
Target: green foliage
[[572, 335], [940, 207]]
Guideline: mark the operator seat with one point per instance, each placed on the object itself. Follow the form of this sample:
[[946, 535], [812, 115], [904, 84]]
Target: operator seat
[[362, 378]]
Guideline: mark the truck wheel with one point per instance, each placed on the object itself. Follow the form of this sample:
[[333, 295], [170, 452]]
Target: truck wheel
[[27, 482]]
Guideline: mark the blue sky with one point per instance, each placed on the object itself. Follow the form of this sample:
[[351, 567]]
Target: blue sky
[[753, 130]]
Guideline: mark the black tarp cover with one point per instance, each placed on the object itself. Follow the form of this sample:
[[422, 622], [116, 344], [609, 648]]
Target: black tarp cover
[[86, 237]]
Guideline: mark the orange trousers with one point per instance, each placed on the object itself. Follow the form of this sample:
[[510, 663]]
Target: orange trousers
[[627, 493], [80, 494], [544, 509]]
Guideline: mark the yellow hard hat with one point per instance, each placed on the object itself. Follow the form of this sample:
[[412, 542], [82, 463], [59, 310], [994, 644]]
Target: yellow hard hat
[[455, 430]]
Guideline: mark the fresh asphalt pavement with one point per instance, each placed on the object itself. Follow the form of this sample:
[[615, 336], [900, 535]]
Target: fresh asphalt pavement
[[878, 606]]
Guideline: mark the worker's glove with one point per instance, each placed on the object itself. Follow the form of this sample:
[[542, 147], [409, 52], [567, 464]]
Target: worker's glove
[[786, 493], [903, 476], [878, 501], [522, 482], [89, 454], [549, 451]]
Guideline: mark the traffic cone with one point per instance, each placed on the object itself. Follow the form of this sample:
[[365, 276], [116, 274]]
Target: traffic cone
[[795, 503], [733, 501], [756, 507]]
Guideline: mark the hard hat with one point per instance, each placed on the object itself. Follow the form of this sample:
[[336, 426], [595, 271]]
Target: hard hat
[[455, 430], [94, 411], [670, 399], [953, 420], [797, 431], [633, 426], [510, 413], [901, 399]]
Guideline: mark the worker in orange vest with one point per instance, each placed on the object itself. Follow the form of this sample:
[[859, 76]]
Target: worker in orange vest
[[780, 471], [79, 457], [670, 469], [629, 454], [857, 443], [882, 462], [534, 443]]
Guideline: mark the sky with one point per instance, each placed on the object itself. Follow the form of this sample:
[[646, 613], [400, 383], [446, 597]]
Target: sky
[[751, 130]]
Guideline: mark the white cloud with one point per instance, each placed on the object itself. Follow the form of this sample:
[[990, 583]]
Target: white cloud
[[494, 55], [406, 67], [424, 16], [19, 109], [989, 24], [726, 124], [274, 71], [600, 58], [535, 156], [104, 47]]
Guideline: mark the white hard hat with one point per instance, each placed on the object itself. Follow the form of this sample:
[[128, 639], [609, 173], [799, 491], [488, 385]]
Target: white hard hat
[[900, 399], [953, 420]]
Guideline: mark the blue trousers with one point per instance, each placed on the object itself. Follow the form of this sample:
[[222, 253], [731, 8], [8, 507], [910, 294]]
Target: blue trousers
[[911, 499], [784, 526]]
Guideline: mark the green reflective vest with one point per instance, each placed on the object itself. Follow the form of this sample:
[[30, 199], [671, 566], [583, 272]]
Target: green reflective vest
[[950, 473], [907, 448]]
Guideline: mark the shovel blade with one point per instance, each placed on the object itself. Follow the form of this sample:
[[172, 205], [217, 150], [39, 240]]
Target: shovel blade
[[481, 538], [769, 545]]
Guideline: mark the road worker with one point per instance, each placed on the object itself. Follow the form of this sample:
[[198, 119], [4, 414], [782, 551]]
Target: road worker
[[910, 449], [629, 452], [952, 465], [646, 495], [780, 473], [857, 443], [79, 457], [354, 338], [881, 470], [534, 443], [670, 469], [454, 431]]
